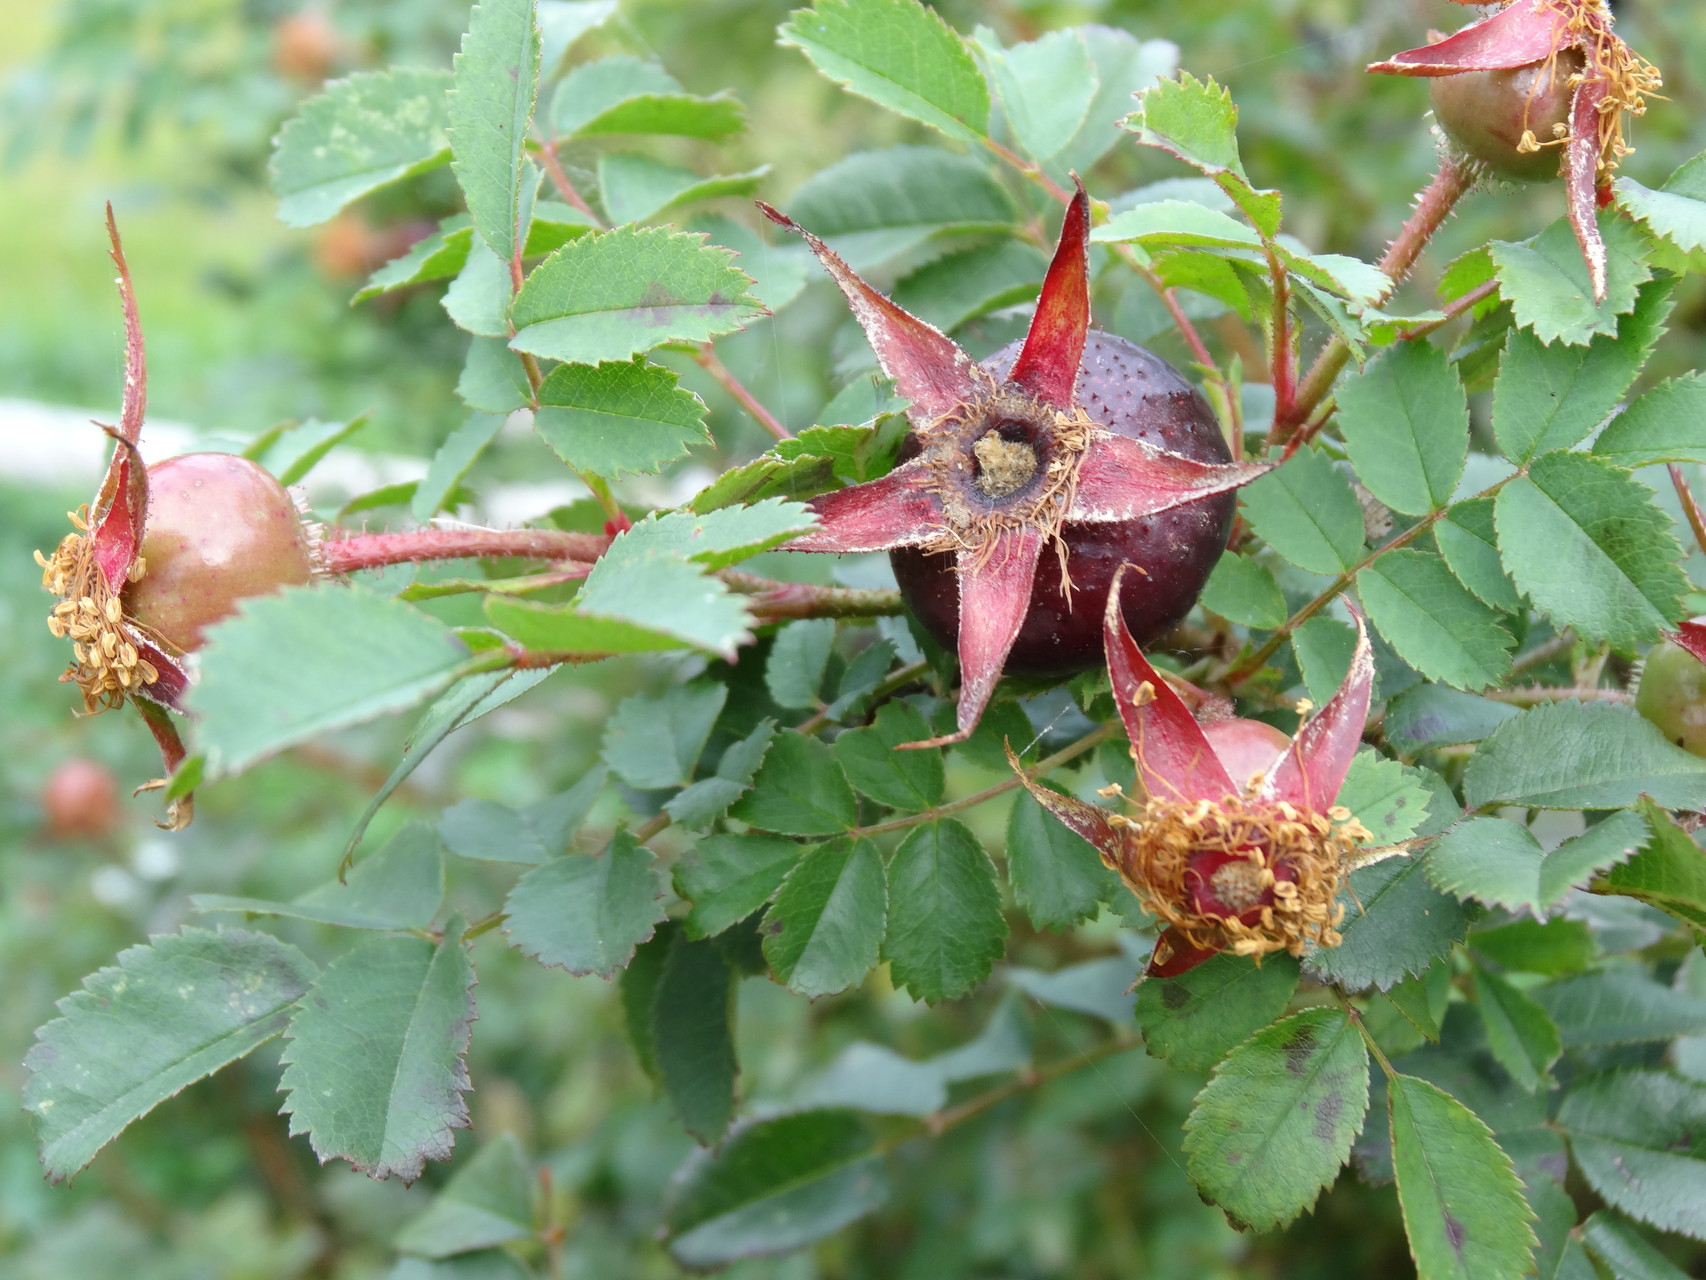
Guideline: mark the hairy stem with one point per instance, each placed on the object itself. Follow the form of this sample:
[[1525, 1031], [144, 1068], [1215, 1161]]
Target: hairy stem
[[560, 180], [1432, 208], [351, 552]]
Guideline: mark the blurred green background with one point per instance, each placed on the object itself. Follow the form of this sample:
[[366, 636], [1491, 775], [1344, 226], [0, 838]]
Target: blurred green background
[[166, 109]]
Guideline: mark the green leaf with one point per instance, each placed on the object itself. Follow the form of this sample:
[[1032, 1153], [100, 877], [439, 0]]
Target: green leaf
[[399, 886], [493, 378], [1425, 716], [613, 294], [959, 287], [799, 791], [1243, 591], [488, 1201], [1405, 419], [490, 832], [478, 300], [945, 928], [1468, 540], [793, 673], [374, 1070], [635, 187], [491, 107], [1572, 755], [1196, 121], [1529, 946], [1668, 873], [623, 94], [909, 780], [900, 55], [874, 205], [1388, 798], [451, 463], [1099, 988], [562, 22], [1057, 876], [701, 804], [1639, 1138], [1323, 648], [1434, 624], [693, 1036], [1667, 424], [1551, 397], [295, 451], [1620, 1005], [437, 257], [815, 461], [1546, 281], [1463, 1206], [1123, 65], [1677, 211], [871, 1078], [632, 603], [773, 1186], [1584, 541], [1045, 87], [656, 742], [585, 913], [463, 702], [167, 1014], [306, 660], [1307, 513], [1502, 864], [362, 133], [728, 877], [1277, 1120], [823, 931], [718, 539], [618, 417], [1519, 1033], [1193, 1020], [1401, 927], [1624, 1251]]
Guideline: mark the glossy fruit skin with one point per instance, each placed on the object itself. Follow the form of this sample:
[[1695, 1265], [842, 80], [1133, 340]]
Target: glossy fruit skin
[[220, 529], [1245, 747], [80, 800], [1485, 113], [1672, 694], [1134, 393]]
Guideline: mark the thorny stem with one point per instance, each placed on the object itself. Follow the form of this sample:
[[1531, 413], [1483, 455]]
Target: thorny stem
[[1282, 363], [803, 600], [1432, 208], [706, 358], [1242, 669], [1031, 171], [1543, 652]]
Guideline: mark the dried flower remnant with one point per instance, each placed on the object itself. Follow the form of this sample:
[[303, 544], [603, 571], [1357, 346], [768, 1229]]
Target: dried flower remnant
[[1571, 40], [1079, 442], [1253, 868]]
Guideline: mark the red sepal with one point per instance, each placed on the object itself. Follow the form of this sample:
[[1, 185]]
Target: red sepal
[[1313, 768], [1174, 759], [1047, 367]]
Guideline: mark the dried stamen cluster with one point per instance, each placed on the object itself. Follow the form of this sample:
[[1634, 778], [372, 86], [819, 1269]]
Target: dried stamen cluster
[[1627, 77], [1246, 875], [106, 663]]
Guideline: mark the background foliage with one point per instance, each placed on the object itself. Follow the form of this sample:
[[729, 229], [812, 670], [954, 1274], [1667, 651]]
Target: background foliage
[[1068, 1150]]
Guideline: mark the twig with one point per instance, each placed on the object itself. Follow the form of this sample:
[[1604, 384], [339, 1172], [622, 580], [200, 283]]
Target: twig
[[560, 180], [356, 551], [706, 357]]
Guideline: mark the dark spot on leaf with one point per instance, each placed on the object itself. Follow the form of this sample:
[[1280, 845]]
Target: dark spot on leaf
[[1455, 1233], [1234, 1157], [1174, 996], [1299, 1049], [770, 928], [1327, 1111]]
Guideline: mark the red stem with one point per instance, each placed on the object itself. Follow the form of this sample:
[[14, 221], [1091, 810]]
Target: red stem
[[356, 551], [560, 180], [707, 359]]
